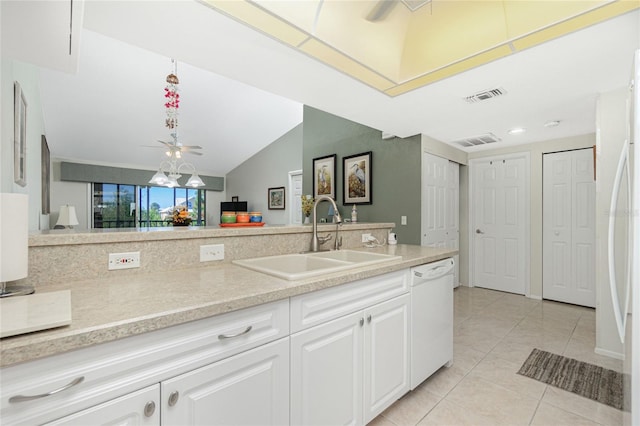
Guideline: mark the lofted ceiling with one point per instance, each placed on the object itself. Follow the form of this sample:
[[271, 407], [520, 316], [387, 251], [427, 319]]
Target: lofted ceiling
[[242, 89]]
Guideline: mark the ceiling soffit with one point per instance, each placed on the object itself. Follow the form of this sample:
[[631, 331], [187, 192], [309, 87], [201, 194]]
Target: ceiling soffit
[[409, 49]]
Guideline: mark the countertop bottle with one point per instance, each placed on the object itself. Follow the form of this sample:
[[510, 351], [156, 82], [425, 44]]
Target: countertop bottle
[[354, 214]]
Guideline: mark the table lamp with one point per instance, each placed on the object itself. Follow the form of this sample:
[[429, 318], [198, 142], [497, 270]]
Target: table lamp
[[67, 218]]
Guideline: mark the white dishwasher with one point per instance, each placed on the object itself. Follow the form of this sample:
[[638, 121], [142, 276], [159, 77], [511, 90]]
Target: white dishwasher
[[431, 318]]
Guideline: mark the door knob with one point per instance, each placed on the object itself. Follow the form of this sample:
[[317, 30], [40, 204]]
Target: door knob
[[478, 231]]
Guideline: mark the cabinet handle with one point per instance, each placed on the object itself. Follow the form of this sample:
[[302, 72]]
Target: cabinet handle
[[173, 398], [418, 274], [369, 318], [23, 398], [361, 322], [149, 409], [231, 336]]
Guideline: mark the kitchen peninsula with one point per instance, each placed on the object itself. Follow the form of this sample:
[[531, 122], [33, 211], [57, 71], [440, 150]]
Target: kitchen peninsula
[[123, 314]]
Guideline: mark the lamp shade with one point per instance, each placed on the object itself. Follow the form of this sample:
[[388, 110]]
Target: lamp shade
[[14, 236], [67, 216]]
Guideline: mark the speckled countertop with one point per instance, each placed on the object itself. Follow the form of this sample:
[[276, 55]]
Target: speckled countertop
[[107, 309]]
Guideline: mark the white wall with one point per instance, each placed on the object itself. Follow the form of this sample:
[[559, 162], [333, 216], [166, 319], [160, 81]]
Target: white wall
[[611, 133], [27, 76], [268, 168]]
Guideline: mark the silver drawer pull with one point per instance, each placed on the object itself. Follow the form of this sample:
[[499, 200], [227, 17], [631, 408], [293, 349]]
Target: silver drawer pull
[[231, 336], [418, 274], [23, 398]]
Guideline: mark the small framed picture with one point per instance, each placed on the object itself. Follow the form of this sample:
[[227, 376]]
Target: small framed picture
[[19, 136], [324, 173], [235, 199], [357, 179], [276, 198]]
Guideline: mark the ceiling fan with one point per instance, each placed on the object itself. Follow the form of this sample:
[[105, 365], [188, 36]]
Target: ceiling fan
[[383, 8], [176, 149]]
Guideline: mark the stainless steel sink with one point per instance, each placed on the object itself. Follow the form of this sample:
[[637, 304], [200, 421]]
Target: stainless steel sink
[[300, 266]]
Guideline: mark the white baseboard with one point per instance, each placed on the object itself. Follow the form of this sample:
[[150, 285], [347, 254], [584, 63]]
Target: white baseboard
[[610, 354]]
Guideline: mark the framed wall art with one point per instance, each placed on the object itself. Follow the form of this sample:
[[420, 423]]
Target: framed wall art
[[324, 173], [276, 200], [19, 136], [45, 158], [357, 179]]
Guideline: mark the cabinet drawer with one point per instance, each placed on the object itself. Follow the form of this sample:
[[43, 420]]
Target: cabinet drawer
[[315, 308], [136, 408], [116, 368]]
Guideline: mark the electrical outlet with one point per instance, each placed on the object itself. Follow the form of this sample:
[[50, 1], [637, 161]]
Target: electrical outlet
[[403, 220], [211, 252], [124, 260], [365, 238]]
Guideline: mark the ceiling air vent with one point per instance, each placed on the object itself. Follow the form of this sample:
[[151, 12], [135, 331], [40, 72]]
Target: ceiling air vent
[[487, 94], [478, 140]]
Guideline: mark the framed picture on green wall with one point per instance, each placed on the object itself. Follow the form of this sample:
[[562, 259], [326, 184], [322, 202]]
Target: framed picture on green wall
[[324, 176], [357, 179]]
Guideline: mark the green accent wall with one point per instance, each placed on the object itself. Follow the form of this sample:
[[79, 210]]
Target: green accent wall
[[396, 166]]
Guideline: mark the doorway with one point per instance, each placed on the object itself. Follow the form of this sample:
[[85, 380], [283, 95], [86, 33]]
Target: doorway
[[499, 215], [295, 197], [568, 230]]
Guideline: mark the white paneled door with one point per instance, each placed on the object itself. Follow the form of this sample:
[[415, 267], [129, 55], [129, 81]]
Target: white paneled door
[[568, 256], [295, 200], [499, 223], [440, 205]]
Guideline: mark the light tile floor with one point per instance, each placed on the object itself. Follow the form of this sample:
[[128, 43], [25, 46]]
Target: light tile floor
[[494, 333]]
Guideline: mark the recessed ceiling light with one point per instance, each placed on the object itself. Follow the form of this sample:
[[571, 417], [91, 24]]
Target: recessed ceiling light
[[516, 131], [552, 123]]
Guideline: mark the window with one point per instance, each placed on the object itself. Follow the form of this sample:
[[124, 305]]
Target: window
[[157, 204], [114, 205], [127, 206]]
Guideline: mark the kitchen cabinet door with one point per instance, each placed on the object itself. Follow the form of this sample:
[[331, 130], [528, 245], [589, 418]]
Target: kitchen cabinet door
[[251, 388], [140, 408], [386, 354], [326, 373]]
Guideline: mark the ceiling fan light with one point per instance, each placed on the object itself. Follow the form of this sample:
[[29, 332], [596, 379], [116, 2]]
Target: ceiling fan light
[[172, 182], [159, 178], [195, 181]]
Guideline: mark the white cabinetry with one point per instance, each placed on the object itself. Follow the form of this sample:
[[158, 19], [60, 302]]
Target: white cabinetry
[[140, 408], [109, 371], [386, 355], [251, 388], [347, 360], [326, 373], [347, 370]]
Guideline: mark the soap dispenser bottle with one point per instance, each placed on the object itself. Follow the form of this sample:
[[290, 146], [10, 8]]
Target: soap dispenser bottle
[[354, 214]]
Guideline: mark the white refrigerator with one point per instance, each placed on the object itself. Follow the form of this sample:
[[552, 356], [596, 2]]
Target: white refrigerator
[[624, 249]]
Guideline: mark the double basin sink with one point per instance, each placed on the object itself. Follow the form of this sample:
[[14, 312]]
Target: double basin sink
[[307, 265]]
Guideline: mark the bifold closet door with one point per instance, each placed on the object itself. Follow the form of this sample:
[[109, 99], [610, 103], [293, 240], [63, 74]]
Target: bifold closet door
[[440, 205], [568, 258]]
